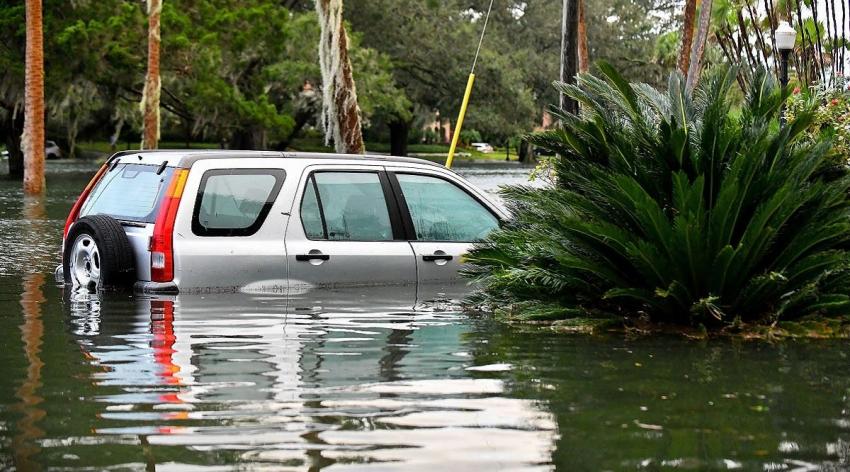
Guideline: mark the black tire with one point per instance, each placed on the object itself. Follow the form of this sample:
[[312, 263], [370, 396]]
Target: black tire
[[117, 264]]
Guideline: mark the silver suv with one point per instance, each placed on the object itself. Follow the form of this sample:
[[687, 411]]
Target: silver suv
[[237, 221]]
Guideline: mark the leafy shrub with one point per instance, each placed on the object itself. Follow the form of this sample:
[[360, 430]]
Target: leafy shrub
[[468, 136], [430, 136], [831, 105], [672, 207]]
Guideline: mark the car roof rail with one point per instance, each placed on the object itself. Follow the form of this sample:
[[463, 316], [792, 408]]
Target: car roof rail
[[136, 151], [192, 155]]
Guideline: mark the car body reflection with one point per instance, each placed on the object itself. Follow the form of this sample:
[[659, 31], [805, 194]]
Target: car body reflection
[[340, 378]]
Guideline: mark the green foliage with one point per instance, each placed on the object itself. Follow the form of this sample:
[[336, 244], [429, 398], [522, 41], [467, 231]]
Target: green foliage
[[233, 70], [468, 136], [671, 207], [831, 105]]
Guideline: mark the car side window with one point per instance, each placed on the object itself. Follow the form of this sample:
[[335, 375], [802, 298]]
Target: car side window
[[345, 206], [235, 202], [442, 211]]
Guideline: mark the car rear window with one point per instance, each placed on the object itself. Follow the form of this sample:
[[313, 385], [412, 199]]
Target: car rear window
[[235, 202], [129, 192]]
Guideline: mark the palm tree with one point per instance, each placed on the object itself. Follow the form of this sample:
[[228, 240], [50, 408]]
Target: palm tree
[[687, 36], [150, 96], [583, 59], [33, 141], [698, 46], [340, 111]]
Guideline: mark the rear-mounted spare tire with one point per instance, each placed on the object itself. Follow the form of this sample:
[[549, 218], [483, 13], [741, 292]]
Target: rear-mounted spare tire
[[98, 255]]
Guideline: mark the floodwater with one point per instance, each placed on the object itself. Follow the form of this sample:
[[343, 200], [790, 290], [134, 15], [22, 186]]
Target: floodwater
[[359, 380]]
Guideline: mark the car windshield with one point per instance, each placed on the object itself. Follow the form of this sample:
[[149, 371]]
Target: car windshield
[[129, 192]]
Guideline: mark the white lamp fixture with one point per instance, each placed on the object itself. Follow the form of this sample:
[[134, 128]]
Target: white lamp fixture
[[786, 36]]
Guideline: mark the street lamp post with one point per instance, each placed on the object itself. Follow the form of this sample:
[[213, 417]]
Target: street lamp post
[[786, 36]]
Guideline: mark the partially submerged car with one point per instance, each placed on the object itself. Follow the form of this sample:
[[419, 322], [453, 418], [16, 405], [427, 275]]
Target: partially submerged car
[[253, 221], [51, 151]]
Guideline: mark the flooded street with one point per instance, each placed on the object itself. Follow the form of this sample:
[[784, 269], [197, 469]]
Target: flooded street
[[357, 379]]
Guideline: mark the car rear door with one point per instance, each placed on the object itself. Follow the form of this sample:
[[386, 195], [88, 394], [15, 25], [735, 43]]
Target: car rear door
[[444, 217], [229, 230], [345, 231]]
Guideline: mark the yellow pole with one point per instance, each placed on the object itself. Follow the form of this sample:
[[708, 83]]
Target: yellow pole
[[460, 116]]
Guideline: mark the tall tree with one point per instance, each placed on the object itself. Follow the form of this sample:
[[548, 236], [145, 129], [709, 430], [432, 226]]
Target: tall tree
[[583, 59], [698, 46], [687, 36], [569, 51], [33, 141], [340, 111], [153, 85]]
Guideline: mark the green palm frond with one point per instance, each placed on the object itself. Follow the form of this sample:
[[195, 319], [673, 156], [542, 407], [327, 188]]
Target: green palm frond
[[678, 206]]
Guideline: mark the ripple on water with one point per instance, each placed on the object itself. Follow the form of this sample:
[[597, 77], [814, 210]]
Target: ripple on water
[[272, 383], [361, 380]]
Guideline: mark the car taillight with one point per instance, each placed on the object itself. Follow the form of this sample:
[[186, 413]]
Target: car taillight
[[162, 242], [75, 210]]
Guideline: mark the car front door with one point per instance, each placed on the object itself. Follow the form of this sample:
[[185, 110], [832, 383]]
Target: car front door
[[345, 231], [445, 219]]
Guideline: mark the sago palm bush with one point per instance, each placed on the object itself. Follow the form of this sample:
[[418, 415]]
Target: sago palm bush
[[675, 207]]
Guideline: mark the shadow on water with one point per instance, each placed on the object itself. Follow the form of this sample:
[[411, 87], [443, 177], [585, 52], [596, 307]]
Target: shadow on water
[[360, 379]]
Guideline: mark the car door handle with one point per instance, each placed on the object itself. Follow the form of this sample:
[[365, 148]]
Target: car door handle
[[312, 257], [436, 257]]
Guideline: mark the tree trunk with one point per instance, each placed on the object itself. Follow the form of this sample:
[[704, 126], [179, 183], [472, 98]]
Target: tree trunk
[[302, 117], [340, 111], [241, 139], [150, 96], [399, 134], [34, 102], [525, 152], [13, 128], [698, 47], [569, 51], [187, 133], [116, 134], [583, 58], [71, 135], [687, 36]]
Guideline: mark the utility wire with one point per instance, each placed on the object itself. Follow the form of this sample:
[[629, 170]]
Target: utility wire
[[481, 39]]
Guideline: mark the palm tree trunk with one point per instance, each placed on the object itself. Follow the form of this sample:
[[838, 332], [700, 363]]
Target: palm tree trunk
[[150, 96], [804, 49], [698, 47], [762, 47], [34, 102], [819, 43], [340, 111], [583, 59], [836, 67], [774, 22], [687, 36]]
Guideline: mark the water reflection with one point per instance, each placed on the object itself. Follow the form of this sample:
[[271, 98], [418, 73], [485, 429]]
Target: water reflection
[[667, 403], [24, 443], [360, 379], [265, 380]]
